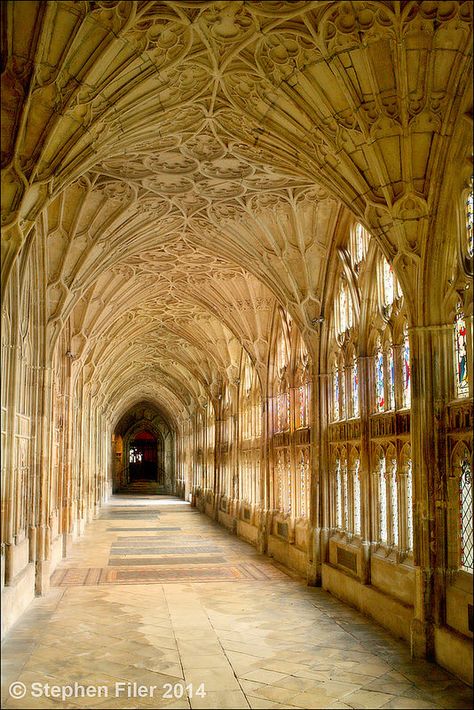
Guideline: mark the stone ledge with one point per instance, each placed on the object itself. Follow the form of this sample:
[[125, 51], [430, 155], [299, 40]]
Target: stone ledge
[[17, 596], [454, 652], [387, 611]]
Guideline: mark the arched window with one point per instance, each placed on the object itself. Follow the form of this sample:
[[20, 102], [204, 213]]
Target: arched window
[[394, 501], [382, 496], [355, 387], [302, 389], [336, 395], [303, 475], [344, 309], [406, 371], [465, 515], [468, 205], [460, 349], [338, 472], [409, 502], [281, 385], [211, 434], [356, 489], [345, 496], [379, 378], [246, 402], [342, 492], [283, 410], [342, 389], [391, 378], [279, 483]]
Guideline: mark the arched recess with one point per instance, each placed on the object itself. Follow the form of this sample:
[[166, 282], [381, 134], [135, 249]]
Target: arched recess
[[143, 454], [143, 436]]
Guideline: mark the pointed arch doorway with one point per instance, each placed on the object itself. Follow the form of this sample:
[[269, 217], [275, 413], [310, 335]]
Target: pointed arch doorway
[[143, 457]]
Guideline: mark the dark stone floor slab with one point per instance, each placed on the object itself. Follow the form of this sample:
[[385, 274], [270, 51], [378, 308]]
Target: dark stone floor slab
[[145, 561]]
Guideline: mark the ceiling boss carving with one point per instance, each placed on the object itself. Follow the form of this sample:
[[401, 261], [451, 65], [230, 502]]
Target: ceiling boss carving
[[187, 164]]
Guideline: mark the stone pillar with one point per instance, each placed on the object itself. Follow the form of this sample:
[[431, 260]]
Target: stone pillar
[[264, 504], [43, 531], [431, 350], [367, 521], [322, 538], [318, 449]]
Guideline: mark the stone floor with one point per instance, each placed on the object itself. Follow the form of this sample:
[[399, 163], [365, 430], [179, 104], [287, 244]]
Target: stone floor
[[159, 605]]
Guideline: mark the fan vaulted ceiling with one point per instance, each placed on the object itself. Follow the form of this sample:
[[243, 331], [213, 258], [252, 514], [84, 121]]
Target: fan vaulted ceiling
[[188, 165]]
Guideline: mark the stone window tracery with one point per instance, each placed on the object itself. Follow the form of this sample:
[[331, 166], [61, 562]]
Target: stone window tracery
[[342, 388], [382, 499], [409, 503], [281, 384], [391, 377], [303, 481], [302, 388], [394, 502], [341, 491], [335, 392], [460, 349], [379, 374], [338, 477], [406, 371], [465, 515], [469, 206], [358, 245], [211, 436], [355, 387], [356, 494], [250, 431], [344, 309]]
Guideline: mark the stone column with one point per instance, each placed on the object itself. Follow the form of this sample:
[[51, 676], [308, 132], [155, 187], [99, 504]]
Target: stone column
[[318, 482], [43, 532], [431, 350], [367, 521]]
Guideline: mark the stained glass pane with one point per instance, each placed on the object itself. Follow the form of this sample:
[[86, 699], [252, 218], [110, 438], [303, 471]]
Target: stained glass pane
[[465, 510], [382, 500], [342, 395], [394, 502], [406, 371], [283, 407], [469, 223], [460, 335], [279, 482], [338, 494], [355, 388], [357, 497], [302, 411], [289, 487], [335, 384], [345, 502], [379, 381], [409, 485], [391, 381], [304, 481]]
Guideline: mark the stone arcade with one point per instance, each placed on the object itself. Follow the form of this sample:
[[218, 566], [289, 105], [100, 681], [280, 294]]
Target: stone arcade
[[237, 259]]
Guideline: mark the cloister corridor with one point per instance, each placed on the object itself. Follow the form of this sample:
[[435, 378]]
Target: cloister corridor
[[158, 595]]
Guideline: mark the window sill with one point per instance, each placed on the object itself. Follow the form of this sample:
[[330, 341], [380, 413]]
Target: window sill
[[461, 579]]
